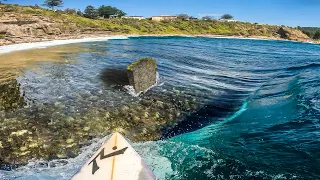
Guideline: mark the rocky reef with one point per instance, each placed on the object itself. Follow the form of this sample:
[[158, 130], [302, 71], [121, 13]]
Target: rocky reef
[[10, 96], [46, 133]]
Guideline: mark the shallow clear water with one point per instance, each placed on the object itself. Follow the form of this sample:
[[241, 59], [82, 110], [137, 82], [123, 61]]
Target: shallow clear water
[[260, 118]]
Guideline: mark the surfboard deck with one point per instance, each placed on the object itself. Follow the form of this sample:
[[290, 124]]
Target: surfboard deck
[[115, 160]]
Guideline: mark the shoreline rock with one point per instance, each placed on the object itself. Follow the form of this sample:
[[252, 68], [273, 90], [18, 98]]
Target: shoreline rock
[[142, 74]]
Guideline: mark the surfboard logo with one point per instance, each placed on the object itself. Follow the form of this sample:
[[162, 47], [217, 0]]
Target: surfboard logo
[[95, 166]]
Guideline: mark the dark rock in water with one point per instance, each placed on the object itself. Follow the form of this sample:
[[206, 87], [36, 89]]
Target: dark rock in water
[[142, 74], [58, 163]]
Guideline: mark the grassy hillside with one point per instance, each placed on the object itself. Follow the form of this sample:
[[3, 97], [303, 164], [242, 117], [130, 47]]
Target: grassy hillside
[[147, 26], [73, 23]]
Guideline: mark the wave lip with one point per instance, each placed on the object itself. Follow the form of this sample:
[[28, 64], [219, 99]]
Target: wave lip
[[44, 44]]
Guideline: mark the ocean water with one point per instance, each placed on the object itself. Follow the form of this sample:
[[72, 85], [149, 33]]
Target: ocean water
[[260, 117]]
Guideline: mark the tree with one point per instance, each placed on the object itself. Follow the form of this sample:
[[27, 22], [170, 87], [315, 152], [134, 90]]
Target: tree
[[226, 16], [79, 13], [207, 18], [183, 16], [307, 33], [70, 11], [53, 3], [121, 13], [317, 35], [90, 12], [108, 11]]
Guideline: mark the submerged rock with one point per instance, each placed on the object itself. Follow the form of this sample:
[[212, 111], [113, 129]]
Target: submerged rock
[[50, 134], [10, 96], [142, 74]]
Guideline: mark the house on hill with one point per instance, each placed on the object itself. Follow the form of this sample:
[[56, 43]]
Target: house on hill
[[228, 20], [163, 17], [133, 17]]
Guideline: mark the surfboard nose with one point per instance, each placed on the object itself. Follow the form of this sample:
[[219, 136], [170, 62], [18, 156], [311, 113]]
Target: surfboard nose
[[115, 160]]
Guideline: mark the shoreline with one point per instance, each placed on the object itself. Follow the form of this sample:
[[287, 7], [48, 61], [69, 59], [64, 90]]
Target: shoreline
[[43, 43]]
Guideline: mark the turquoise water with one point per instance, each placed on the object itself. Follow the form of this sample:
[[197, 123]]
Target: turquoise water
[[259, 118]]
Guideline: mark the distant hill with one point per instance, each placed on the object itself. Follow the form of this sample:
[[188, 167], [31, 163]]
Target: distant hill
[[20, 24]]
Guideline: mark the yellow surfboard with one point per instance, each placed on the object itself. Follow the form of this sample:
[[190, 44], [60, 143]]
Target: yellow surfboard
[[115, 160]]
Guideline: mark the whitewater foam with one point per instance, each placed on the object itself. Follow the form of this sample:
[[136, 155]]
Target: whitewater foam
[[34, 45], [55, 169], [65, 168]]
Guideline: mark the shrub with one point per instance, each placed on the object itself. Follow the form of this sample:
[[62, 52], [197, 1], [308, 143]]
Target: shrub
[[317, 35], [28, 10], [70, 11], [10, 8]]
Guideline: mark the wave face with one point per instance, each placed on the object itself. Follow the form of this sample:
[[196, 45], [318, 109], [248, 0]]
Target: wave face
[[259, 116]]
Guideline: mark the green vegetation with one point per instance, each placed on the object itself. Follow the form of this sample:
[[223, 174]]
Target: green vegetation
[[312, 32], [79, 13], [108, 11], [53, 3], [317, 35], [76, 22], [226, 16], [148, 60], [103, 12], [70, 11], [90, 12], [183, 16]]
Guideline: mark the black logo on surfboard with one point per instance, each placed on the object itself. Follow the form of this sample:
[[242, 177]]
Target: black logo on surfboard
[[95, 166]]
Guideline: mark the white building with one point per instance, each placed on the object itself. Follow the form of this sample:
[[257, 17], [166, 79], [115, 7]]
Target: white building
[[228, 20], [133, 17], [163, 17]]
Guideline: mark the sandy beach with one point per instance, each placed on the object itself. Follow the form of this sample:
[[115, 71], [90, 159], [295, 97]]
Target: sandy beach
[[61, 40]]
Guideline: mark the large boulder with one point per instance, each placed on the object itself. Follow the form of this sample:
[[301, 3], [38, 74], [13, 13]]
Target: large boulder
[[142, 74], [293, 34]]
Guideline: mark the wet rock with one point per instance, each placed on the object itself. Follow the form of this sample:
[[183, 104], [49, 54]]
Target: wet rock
[[10, 96], [58, 163], [94, 98], [142, 74], [50, 134]]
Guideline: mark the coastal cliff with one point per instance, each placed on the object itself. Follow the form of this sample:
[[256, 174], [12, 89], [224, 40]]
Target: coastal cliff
[[20, 24]]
